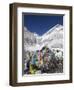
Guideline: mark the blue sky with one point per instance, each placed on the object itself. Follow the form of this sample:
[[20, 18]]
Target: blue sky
[[40, 24]]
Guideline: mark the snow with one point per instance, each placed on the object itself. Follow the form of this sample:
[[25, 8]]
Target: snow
[[53, 38]]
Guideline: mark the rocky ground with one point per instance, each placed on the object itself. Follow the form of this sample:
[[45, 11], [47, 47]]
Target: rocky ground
[[43, 61]]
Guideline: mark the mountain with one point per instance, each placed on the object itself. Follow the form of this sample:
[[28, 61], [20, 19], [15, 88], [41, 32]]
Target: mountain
[[53, 38], [29, 38]]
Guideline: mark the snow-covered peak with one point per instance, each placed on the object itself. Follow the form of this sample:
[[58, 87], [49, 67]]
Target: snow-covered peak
[[53, 38], [56, 27]]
